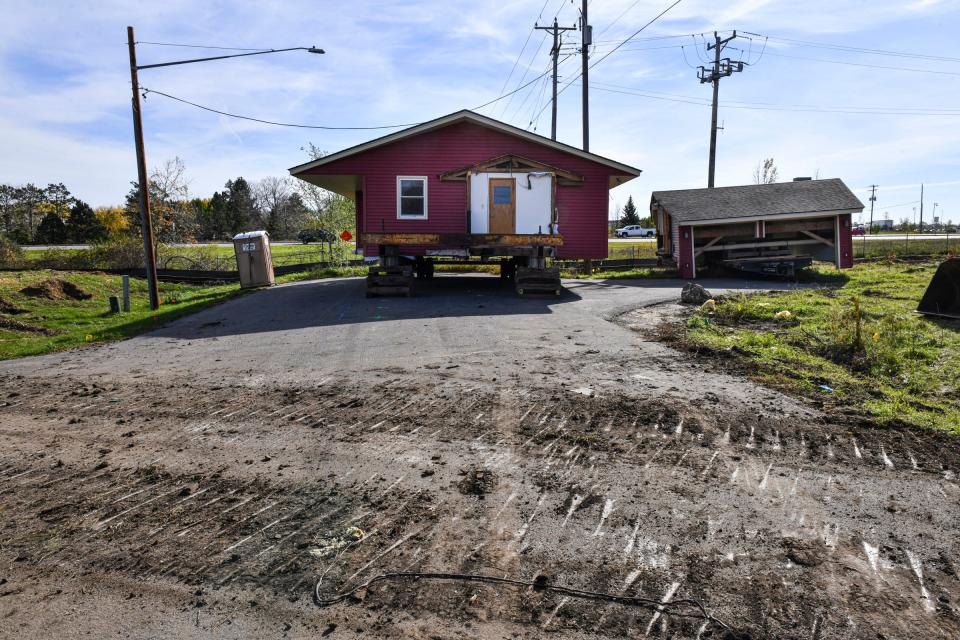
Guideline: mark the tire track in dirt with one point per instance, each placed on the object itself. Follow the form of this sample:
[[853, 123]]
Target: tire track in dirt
[[777, 524]]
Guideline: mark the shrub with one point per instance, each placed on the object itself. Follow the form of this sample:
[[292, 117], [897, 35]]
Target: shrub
[[11, 255]]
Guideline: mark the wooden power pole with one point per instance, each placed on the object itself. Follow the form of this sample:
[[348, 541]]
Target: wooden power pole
[[556, 30], [146, 223], [586, 32], [721, 68], [873, 199]]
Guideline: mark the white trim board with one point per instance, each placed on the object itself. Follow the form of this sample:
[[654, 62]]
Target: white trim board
[[772, 217]]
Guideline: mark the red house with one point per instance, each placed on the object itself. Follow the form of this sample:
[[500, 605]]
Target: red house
[[467, 185]]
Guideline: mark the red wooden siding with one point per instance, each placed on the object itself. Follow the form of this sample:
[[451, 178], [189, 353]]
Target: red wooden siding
[[582, 208], [685, 263], [845, 241]]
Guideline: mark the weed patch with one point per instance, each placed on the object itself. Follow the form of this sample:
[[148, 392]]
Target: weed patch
[[857, 343]]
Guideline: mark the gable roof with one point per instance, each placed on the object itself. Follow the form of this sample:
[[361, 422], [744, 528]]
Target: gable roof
[[467, 116], [758, 201]]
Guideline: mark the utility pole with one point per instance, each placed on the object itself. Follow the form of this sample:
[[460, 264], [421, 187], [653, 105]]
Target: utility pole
[[920, 228], [556, 30], [873, 198], [721, 68], [146, 223], [586, 32]]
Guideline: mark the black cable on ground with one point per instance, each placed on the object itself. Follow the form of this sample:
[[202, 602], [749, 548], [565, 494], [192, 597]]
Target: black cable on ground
[[681, 608]]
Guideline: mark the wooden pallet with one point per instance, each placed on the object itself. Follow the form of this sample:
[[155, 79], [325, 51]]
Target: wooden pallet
[[534, 281], [390, 281]]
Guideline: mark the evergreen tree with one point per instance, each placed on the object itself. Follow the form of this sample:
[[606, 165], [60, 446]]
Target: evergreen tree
[[629, 214], [51, 230], [240, 207], [83, 224]]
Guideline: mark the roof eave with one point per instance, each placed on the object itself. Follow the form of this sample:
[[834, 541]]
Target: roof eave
[[452, 118], [780, 216]]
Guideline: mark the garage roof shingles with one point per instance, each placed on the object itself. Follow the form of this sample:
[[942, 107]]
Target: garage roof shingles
[[753, 200]]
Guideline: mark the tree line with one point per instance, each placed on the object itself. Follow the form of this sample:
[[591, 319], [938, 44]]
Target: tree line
[[282, 206]]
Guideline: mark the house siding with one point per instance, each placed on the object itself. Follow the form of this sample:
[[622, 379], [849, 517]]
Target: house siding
[[686, 259], [845, 241], [582, 217]]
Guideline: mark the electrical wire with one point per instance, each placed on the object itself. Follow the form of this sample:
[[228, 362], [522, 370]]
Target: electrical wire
[[780, 105], [146, 91], [864, 64], [636, 33], [617, 19], [841, 47], [681, 608], [199, 46], [522, 49], [535, 54], [607, 55], [843, 110]]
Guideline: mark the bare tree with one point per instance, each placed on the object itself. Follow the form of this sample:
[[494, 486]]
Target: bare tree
[[174, 219], [766, 172], [170, 195], [327, 210], [279, 209]]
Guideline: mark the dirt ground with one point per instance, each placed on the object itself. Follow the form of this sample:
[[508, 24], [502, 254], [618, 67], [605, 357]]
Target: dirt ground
[[166, 503]]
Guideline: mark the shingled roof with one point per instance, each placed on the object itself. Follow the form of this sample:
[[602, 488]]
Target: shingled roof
[[758, 201]]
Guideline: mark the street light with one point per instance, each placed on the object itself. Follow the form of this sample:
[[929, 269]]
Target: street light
[[146, 223]]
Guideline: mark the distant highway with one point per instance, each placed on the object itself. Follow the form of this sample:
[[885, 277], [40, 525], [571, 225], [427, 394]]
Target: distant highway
[[179, 245], [879, 236]]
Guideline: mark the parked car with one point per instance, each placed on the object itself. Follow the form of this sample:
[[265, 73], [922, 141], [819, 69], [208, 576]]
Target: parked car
[[635, 231], [858, 231], [316, 235]]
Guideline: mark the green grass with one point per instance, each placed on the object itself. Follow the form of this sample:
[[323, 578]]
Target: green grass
[[77, 322], [911, 246], [858, 334], [635, 250]]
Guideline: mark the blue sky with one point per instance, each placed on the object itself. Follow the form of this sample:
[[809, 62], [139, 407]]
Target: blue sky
[[64, 88]]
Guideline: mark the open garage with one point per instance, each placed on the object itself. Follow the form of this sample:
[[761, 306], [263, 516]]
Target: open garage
[[759, 228]]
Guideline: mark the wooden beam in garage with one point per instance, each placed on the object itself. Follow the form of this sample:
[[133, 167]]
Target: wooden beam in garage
[[759, 245], [726, 230], [707, 246], [800, 225], [825, 241]]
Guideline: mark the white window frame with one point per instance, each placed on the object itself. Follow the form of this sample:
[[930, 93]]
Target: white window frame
[[425, 197]]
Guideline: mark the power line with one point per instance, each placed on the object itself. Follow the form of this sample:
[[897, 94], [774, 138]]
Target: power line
[[636, 33], [278, 124], [863, 64], [702, 102], [628, 39], [200, 46], [522, 49], [617, 19], [535, 53], [841, 47], [312, 126]]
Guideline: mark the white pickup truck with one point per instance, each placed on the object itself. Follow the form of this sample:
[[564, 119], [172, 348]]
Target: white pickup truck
[[635, 231]]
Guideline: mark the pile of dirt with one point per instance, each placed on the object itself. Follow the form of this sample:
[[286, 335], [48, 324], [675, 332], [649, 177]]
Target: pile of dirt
[[56, 289], [8, 307], [15, 325]]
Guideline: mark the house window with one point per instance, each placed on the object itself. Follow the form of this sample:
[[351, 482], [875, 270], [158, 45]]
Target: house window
[[412, 197]]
